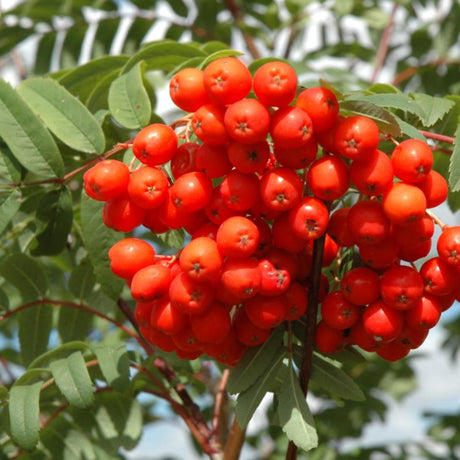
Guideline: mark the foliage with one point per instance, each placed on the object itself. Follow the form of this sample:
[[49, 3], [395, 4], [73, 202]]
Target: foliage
[[70, 389]]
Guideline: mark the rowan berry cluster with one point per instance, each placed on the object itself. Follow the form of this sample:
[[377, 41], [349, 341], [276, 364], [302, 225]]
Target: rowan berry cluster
[[247, 184]]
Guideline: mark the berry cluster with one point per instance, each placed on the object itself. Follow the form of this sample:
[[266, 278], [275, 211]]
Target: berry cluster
[[253, 194]]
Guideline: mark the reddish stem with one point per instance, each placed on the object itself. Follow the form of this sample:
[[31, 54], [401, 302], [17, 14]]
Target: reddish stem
[[63, 303], [438, 137], [382, 51]]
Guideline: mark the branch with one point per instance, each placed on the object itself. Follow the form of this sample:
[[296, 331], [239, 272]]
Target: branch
[[309, 340], [438, 137], [221, 398], [196, 417], [239, 20], [411, 71], [235, 442], [77, 306], [62, 180], [382, 51]]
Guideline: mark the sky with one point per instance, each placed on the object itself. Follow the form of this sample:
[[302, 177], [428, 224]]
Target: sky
[[438, 377]]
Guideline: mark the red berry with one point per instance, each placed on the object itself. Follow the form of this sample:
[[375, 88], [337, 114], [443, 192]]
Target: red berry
[[155, 144]]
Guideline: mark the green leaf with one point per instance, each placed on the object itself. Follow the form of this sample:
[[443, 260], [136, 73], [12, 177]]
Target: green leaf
[[24, 133], [344, 7], [81, 81], [54, 219], [334, 380], [62, 351], [44, 53], [98, 240], [11, 37], [179, 7], [129, 102], [394, 101], [72, 378], [218, 55], [74, 324], [119, 418], [10, 168], [434, 108], [105, 34], [35, 326], [4, 394], [454, 165], [163, 55], [409, 130], [81, 281], [254, 363], [173, 239], [98, 98], [383, 118], [64, 441], [114, 363], [64, 115], [9, 205], [294, 414], [249, 400], [24, 412], [26, 274], [137, 32]]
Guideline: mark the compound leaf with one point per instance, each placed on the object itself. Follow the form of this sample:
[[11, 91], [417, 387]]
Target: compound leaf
[[35, 326], [383, 118], [64, 115], [98, 240], [114, 363], [72, 378], [55, 215], [254, 363], [454, 165], [129, 102], [24, 412], [9, 206], [434, 108], [26, 274], [335, 380], [294, 414], [26, 136], [249, 400]]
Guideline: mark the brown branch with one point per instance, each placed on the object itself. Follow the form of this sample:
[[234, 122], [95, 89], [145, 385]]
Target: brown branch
[[311, 318], [199, 423], [239, 21], [63, 303], [382, 51], [235, 442], [62, 180], [220, 400], [411, 71]]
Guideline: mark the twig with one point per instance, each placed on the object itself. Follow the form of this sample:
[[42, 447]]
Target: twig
[[221, 397], [78, 306], [199, 423], [384, 44], [438, 137], [411, 71], [235, 442], [61, 180], [311, 318], [436, 220], [239, 20]]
